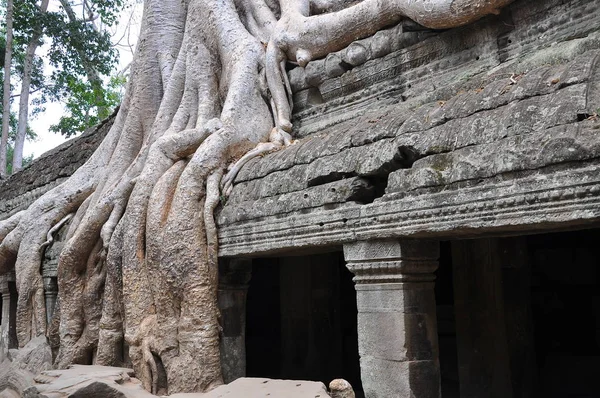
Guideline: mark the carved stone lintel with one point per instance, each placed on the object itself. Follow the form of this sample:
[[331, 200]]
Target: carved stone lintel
[[397, 327]]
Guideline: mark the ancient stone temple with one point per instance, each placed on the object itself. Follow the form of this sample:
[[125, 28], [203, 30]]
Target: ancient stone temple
[[433, 231]]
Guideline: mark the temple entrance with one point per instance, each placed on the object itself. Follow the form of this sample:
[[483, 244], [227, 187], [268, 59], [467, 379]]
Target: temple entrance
[[301, 320], [565, 302], [520, 316]]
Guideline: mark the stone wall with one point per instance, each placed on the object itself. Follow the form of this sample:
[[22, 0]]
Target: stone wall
[[486, 129], [18, 191]]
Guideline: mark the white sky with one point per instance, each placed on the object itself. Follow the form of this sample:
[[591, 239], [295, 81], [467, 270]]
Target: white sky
[[46, 139]]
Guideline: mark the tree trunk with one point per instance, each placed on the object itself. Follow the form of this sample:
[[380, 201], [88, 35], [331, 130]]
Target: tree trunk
[[24, 99], [6, 98], [139, 264]]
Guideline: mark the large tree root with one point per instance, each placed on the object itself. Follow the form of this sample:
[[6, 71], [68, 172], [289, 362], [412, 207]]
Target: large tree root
[[301, 38], [209, 89]]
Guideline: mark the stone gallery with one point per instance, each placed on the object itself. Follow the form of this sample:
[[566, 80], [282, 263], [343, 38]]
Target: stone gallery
[[401, 194]]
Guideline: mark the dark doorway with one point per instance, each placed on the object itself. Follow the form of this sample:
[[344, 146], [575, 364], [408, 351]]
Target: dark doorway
[[565, 304], [12, 319], [301, 320], [526, 315], [444, 298]]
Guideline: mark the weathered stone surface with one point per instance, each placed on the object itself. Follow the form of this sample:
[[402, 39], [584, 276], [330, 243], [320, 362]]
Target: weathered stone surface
[[574, 142], [340, 388], [537, 199], [87, 381], [541, 98], [516, 123], [397, 329], [375, 159], [346, 190], [522, 27], [18, 369], [94, 381], [249, 387]]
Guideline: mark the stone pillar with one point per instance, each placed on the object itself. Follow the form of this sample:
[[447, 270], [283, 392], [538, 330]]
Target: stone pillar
[[5, 296], [51, 294], [8, 327], [234, 276], [397, 328], [494, 331], [49, 275]]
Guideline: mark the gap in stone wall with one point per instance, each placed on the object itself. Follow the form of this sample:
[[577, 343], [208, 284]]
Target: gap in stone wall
[[301, 320]]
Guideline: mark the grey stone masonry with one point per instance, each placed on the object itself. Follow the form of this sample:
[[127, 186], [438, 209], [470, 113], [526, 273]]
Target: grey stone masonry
[[485, 130], [397, 328]]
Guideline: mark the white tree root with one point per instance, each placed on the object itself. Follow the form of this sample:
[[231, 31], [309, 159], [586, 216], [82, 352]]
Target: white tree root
[[261, 149], [301, 38], [54, 229]]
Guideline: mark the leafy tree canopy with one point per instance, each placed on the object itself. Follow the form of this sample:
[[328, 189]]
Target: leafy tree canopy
[[80, 55]]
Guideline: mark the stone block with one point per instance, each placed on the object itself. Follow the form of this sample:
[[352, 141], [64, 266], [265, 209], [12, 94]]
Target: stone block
[[398, 337], [382, 378], [407, 298], [391, 249], [381, 335]]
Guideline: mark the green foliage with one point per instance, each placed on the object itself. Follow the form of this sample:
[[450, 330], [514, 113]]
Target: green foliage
[[77, 46], [88, 104], [107, 9], [80, 53]]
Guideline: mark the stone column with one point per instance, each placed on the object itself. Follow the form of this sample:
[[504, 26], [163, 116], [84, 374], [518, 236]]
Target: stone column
[[8, 328], [397, 328], [234, 276], [49, 275], [5, 296], [51, 293]]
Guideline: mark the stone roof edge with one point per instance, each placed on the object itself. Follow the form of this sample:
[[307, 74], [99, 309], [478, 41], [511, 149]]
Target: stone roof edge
[[556, 200]]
